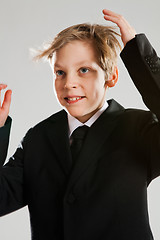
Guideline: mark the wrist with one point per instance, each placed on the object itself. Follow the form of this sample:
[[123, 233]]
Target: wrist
[[2, 123]]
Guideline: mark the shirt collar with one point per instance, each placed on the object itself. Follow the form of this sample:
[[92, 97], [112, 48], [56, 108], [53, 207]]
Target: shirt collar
[[75, 123]]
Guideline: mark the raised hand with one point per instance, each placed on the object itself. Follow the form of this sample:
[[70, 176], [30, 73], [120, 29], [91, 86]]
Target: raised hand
[[4, 107], [127, 32]]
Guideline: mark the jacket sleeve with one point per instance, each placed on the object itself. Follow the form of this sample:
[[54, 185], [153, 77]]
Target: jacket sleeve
[[4, 140], [143, 66], [12, 192]]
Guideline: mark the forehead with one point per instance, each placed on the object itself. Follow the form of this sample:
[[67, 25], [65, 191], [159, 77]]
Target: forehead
[[75, 52]]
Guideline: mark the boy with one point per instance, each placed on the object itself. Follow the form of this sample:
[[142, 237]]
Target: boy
[[101, 193]]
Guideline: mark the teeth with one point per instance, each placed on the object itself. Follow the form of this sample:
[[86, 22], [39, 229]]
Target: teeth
[[74, 99]]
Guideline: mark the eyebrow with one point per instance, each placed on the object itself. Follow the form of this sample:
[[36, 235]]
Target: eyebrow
[[79, 63], [57, 65]]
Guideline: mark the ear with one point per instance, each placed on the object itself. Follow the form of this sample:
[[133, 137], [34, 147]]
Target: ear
[[111, 82]]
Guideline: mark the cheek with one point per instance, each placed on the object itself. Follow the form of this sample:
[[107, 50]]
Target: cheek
[[98, 89], [58, 86], [57, 91]]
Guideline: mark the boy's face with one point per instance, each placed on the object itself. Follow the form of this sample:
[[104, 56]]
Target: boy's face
[[79, 80]]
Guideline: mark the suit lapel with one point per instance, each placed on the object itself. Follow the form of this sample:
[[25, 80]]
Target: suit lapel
[[58, 136], [97, 135]]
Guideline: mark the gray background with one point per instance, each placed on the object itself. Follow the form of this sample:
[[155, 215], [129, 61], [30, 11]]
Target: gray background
[[26, 24]]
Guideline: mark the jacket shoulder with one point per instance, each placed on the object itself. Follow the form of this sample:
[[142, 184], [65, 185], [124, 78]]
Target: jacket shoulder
[[40, 128], [53, 118], [139, 117]]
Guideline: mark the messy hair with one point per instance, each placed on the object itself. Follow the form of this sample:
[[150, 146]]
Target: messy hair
[[103, 39]]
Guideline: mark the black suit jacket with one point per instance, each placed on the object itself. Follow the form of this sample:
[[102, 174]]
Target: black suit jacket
[[105, 195]]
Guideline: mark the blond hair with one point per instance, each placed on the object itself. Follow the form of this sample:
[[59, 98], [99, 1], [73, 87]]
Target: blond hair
[[102, 37]]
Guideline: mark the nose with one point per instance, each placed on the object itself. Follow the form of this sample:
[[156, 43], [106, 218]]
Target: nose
[[70, 81]]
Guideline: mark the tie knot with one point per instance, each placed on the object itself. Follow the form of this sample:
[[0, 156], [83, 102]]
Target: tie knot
[[80, 132]]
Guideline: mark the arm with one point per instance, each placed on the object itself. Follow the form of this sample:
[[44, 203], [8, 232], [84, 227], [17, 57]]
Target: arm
[[11, 174], [4, 109], [141, 61], [5, 123], [139, 52], [12, 187], [4, 140], [143, 66], [146, 76]]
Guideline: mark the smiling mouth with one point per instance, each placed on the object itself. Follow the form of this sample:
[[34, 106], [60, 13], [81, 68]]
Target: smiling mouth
[[73, 99]]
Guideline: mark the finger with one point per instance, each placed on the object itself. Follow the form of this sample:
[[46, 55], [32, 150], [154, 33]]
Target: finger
[[116, 18], [109, 12], [7, 101], [112, 19], [120, 21], [2, 86]]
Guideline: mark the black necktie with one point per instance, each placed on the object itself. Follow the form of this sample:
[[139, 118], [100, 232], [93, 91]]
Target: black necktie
[[78, 137]]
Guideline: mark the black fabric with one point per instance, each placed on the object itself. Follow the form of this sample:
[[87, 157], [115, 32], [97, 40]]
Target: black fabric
[[78, 137], [4, 140]]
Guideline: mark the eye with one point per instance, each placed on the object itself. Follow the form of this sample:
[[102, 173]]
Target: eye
[[84, 70], [59, 72]]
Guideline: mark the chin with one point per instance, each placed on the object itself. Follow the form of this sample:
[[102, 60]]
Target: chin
[[75, 114]]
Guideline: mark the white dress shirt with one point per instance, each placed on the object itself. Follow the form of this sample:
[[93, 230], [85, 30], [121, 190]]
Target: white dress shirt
[[75, 123]]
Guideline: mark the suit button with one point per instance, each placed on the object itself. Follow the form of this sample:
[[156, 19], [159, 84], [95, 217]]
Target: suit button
[[71, 198]]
